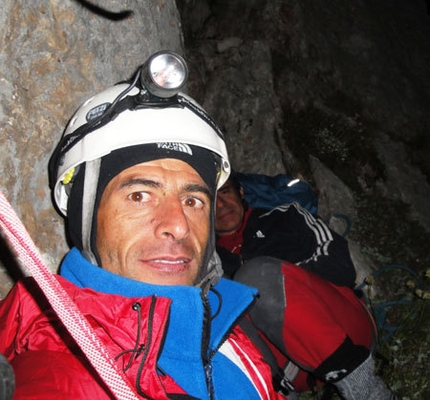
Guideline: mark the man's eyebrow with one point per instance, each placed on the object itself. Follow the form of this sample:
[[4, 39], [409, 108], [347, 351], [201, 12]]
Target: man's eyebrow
[[198, 188], [189, 188], [226, 187], [140, 181]]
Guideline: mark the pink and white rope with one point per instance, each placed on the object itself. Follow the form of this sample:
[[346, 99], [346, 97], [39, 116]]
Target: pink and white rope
[[66, 309]]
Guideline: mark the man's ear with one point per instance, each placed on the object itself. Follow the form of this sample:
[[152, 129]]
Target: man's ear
[[242, 193]]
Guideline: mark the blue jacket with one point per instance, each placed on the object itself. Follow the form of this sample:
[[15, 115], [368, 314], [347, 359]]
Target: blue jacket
[[196, 352]]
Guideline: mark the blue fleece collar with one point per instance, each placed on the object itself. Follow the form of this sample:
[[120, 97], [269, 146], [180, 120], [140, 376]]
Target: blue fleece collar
[[229, 301]]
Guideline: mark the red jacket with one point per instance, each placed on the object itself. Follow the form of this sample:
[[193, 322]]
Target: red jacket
[[323, 328], [49, 365]]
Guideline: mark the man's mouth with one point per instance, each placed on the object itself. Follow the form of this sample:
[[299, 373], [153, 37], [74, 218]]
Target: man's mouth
[[169, 267], [225, 215]]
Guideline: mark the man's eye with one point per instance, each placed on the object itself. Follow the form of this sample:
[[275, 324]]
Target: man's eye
[[225, 191], [193, 202], [138, 197]]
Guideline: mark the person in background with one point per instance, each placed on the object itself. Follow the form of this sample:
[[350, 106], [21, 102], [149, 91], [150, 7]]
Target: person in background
[[288, 232], [308, 313], [136, 175]]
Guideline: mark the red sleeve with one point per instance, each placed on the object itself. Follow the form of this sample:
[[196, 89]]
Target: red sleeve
[[10, 321]]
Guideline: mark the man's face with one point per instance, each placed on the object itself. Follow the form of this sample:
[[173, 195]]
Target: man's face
[[153, 223], [229, 209]]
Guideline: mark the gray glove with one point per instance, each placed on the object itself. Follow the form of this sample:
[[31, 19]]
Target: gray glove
[[7, 379]]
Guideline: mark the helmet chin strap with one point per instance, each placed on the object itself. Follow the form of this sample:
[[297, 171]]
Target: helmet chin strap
[[92, 170], [213, 274], [212, 270]]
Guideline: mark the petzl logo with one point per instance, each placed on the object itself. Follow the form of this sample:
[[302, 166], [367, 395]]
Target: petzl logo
[[97, 111]]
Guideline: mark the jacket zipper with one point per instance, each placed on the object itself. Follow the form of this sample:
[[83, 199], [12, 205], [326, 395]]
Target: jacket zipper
[[206, 355]]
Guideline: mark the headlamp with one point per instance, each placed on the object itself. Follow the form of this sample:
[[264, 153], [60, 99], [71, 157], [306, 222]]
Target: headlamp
[[164, 74], [158, 81]]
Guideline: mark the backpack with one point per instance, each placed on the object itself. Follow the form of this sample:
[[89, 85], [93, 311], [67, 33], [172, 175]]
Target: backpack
[[263, 191]]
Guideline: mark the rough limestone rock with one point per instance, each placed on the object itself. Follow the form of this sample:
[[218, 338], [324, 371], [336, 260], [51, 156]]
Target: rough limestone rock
[[54, 55]]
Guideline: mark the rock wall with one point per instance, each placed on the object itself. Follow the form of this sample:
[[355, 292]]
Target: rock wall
[[54, 55], [336, 93]]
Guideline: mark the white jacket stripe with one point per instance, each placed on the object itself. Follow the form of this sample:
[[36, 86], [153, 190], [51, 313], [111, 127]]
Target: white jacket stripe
[[234, 353]]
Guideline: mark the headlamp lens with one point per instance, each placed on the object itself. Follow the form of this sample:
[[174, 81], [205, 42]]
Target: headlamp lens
[[164, 74], [167, 71]]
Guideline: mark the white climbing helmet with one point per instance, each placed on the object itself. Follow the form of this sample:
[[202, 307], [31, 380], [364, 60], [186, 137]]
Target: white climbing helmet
[[149, 110]]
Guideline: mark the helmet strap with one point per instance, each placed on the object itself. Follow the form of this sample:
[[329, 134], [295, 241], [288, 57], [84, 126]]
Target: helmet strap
[[213, 274], [92, 170]]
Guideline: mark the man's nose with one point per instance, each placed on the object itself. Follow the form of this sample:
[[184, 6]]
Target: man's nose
[[172, 221], [220, 202]]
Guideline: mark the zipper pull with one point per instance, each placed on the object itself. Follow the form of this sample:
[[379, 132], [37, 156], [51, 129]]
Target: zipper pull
[[209, 381]]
